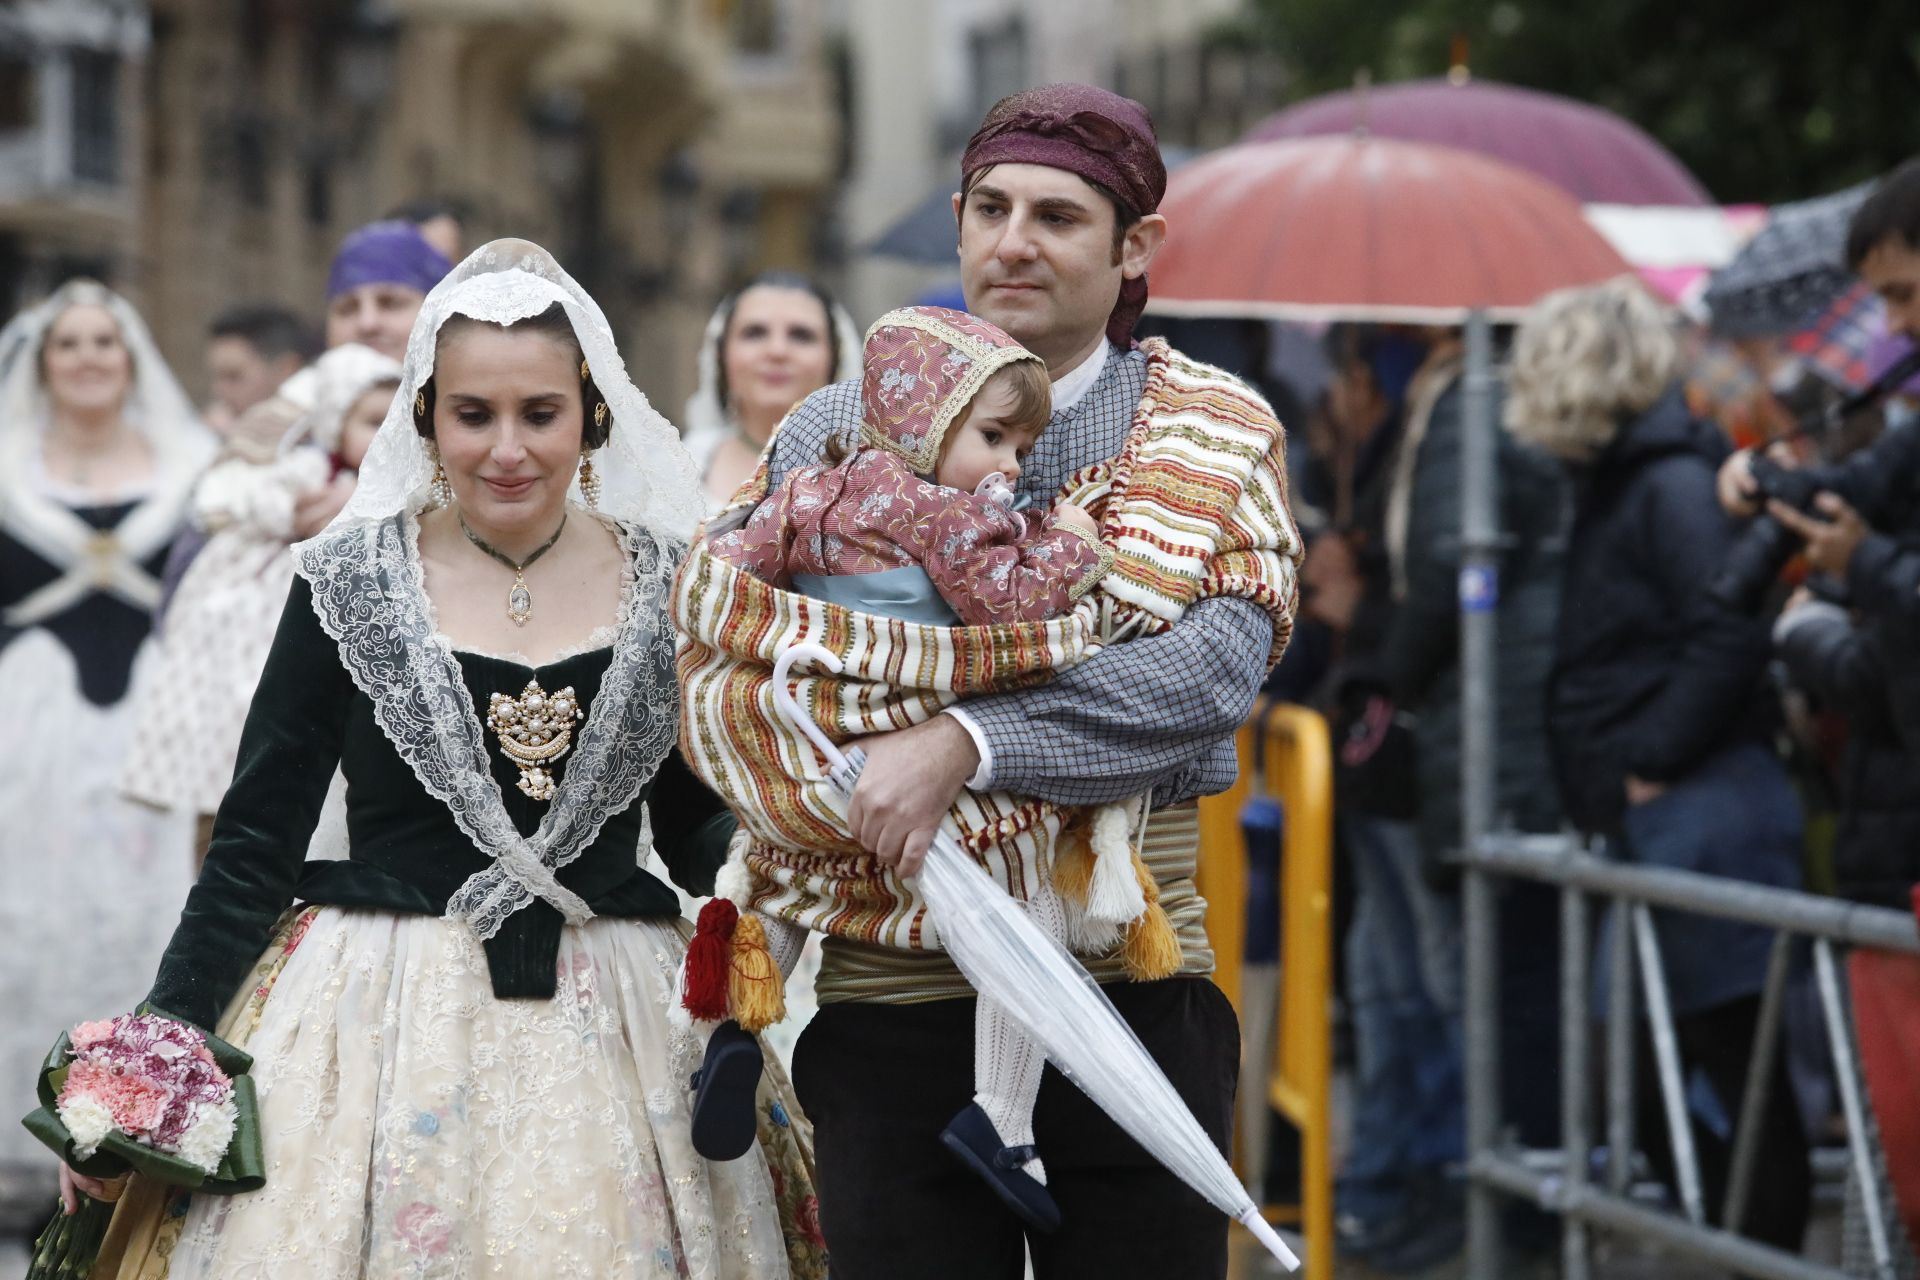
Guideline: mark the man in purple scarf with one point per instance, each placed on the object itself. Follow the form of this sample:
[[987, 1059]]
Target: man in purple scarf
[[380, 276], [1057, 223]]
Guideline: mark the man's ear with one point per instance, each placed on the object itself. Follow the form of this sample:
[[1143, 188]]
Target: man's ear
[[1142, 241], [959, 208]]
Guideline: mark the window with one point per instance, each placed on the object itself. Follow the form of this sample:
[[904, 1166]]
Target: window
[[96, 116]]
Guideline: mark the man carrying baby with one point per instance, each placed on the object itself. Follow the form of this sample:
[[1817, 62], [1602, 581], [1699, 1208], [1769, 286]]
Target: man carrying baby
[[1057, 227]]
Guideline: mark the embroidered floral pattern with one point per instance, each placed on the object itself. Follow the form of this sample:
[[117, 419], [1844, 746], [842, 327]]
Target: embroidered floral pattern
[[923, 366]]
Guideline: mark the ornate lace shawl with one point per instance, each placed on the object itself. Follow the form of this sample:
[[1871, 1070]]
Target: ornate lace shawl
[[370, 597]]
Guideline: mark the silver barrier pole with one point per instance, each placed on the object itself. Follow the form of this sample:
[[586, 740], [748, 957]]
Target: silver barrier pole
[[1479, 594], [1666, 1056], [1575, 1039], [1621, 1039], [1753, 1104], [1833, 1005]]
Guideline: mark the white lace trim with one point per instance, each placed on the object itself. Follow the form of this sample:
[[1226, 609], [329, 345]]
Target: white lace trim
[[369, 595]]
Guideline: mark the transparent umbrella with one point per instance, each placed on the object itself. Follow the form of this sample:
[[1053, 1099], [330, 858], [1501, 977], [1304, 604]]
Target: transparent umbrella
[[1037, 981]]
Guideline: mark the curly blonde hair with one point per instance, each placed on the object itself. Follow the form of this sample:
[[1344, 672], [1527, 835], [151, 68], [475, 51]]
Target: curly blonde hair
[[1584, 358]]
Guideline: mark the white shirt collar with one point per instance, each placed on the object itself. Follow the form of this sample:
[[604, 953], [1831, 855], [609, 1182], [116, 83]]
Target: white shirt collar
[[1071, 387]]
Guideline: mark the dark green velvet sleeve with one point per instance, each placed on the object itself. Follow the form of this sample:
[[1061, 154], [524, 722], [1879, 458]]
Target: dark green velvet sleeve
[[691, 826], [288, 752]]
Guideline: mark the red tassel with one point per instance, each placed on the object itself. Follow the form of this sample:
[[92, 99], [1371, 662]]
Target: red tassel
[[710, 961]]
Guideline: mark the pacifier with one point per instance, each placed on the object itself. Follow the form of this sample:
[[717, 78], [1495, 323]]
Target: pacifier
[[997, 489]]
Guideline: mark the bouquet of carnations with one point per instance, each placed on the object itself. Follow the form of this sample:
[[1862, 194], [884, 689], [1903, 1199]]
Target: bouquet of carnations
[[149, 1094]]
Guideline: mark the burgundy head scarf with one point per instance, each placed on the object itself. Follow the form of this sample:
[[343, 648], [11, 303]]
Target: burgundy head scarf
[[1096, 135]]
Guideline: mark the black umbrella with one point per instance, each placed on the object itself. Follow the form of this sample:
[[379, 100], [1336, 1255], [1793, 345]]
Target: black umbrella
[[1790, 272]]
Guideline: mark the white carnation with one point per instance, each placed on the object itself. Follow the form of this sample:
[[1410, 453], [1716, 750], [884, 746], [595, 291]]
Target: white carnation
[[205, 1142], [88, 1121]]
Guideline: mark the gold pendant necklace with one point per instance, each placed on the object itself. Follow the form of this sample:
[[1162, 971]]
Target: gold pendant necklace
[[519, 599]]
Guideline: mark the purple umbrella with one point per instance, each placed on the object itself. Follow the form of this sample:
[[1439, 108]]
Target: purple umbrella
[[1592, 154]]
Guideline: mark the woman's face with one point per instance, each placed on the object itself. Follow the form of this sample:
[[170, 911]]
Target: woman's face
[[776, 354], [507, 417], [362, 421], [86, 363]]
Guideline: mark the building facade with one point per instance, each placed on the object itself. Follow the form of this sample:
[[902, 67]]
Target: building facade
[[661, 148]]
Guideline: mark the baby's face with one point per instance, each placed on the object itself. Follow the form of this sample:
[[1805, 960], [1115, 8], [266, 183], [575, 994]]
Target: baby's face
[[361, 423], [984, 443]]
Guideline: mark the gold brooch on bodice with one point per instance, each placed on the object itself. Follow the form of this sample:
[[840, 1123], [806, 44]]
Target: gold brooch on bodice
[[535, 729]]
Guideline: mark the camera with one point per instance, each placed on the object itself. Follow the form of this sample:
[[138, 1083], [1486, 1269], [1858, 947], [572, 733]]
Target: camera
[[1762, 551]]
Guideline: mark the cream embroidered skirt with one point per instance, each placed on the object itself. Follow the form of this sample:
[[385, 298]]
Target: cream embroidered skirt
[[415, 1125]]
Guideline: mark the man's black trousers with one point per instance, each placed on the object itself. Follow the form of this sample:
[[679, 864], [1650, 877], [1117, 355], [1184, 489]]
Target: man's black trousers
[[880, 1082]]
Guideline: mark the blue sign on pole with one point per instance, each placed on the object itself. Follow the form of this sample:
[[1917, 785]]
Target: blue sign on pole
[[1479, 588]]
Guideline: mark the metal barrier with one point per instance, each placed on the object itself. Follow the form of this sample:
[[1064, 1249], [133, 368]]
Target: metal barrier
[[1285, 753], [1563, 1186]]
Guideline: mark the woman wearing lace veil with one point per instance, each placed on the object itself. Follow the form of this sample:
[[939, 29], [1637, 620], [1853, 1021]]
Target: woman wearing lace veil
[[98, 449], [770, 344], [461, 1037]]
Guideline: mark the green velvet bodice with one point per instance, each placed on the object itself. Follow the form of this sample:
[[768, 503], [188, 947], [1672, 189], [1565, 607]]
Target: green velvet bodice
[[407, 853]]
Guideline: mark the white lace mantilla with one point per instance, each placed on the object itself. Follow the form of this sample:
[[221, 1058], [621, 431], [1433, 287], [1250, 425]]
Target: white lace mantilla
[[370, 597]]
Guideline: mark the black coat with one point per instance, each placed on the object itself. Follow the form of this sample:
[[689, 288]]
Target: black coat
[[1846, 667], [1422, 649], [1650, 676]]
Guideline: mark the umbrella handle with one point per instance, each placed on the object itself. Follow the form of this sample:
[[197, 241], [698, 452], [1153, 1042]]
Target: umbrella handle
[[1270, 1239], [789, 707]]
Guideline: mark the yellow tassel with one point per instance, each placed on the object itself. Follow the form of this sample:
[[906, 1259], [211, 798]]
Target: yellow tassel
[[1073, 863], [1152, 951], [755, 988]]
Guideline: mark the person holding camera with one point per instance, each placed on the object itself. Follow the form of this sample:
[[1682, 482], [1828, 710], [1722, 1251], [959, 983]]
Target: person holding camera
[[1847, 517], [1656, 708]]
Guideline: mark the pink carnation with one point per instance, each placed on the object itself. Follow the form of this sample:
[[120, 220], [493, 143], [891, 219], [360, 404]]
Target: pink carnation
[[88, 1034], [137, 1104]]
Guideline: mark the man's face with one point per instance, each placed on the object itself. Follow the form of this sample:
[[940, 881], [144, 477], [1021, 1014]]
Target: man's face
[[1037, 257], [240, 377], [1892, 270], [374, 315]]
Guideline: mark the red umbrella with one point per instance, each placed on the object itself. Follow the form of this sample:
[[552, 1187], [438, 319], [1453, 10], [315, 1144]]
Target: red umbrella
[[1367, 229], [1595, 155]]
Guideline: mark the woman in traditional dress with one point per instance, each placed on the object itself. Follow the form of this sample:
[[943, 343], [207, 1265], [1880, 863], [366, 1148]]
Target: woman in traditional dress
[[770, 344], [98, 449], [462, 1038]]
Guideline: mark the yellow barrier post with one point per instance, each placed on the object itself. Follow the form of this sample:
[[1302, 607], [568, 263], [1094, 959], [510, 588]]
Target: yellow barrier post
[[1299, 773]]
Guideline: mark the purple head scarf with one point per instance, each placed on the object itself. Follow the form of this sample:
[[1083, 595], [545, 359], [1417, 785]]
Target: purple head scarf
[[386, 253], [1092, 133]]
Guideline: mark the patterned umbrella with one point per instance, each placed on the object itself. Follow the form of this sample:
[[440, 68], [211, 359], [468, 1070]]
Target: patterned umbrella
[[1593, 154], [1353, 228], [1837, 343], [1788, 273]]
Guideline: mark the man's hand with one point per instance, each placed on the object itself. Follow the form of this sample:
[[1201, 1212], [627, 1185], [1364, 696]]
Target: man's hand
[[1640, 791], [912, 778], [1830, 545], [1739, 495]]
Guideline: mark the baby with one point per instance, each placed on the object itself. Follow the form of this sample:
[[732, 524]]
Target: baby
[[917, 522]]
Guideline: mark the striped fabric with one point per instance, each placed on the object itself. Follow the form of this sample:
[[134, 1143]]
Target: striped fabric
[[1194, 506]]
